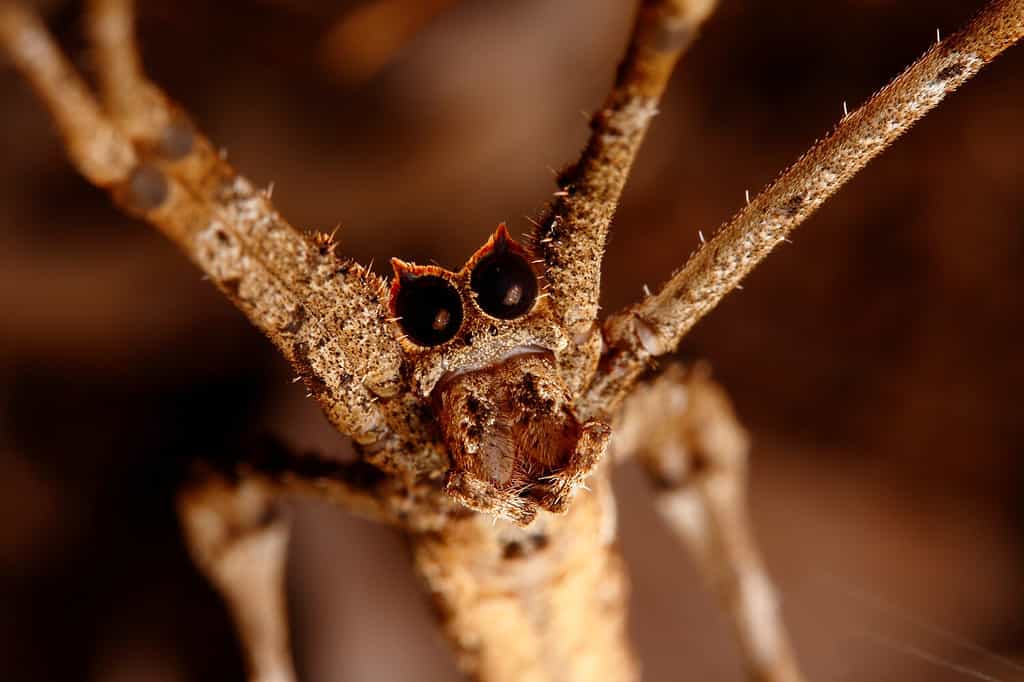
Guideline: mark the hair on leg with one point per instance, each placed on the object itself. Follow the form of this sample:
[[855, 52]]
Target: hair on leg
[[656, 324], [570, 236], [326, 314]]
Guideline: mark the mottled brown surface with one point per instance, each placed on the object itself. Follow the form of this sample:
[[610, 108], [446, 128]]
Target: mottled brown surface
[[683, 430], [656, 325], [571, 235], [544, 604], [876, 360], [507, 619]]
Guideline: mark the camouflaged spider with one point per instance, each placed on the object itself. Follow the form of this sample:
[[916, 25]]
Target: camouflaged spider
[[482, 346], [481, 402]]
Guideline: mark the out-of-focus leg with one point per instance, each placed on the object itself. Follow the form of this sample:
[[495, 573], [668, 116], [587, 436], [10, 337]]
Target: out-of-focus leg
[[326, 315], [682, 429], [230, 516], [239, 541], [134, 104], [99, 151]]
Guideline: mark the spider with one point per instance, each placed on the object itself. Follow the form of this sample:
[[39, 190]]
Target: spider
[[487, 404]]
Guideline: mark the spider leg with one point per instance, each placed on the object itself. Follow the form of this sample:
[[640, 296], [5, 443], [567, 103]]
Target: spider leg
[[94, 144], [327, 316], [682, 429], [239, 541], [238, 538], [656, 324], [570, 236], [134, 104]]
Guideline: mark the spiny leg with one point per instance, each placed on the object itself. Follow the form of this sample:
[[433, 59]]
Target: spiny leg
[[335, 300], [683, 430], [570, 236], [655, 325], [326, 315], [237, 537]]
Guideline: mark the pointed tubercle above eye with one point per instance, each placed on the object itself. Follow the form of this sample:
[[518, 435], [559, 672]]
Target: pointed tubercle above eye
[[404, 273], [502, 277], [407, 273], [500, 243], [501, 240], [403, 270]]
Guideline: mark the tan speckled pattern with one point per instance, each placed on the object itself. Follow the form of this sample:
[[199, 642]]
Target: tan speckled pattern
[[655, 325], [480, 448]]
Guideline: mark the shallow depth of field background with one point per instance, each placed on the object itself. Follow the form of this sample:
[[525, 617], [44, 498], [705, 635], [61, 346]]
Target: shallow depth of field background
[[875, 360]]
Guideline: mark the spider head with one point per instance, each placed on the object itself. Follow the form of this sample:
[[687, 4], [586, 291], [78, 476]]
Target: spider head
[[482, 344]]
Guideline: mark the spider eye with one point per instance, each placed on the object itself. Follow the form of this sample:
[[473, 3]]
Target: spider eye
[[430, 309], [505, 284]]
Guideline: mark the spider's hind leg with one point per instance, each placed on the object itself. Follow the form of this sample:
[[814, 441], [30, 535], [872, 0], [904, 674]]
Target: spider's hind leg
[[231, 518], [684, 432], [239, 540]]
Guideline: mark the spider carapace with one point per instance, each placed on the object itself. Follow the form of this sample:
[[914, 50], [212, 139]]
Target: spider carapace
[[482, 344]]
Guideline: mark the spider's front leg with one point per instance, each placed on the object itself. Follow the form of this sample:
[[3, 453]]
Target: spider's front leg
[[682, 429], [655, 325], [570, 236], [326, 315]]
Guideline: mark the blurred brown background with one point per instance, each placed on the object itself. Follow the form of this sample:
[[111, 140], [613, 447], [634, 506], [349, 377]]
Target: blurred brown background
[[875, 359]]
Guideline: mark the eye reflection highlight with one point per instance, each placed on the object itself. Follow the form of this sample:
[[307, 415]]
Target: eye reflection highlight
[[505, 285], [430, 309]]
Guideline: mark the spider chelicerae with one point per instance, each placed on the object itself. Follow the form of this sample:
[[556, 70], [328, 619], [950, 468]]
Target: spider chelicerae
[[487, 404]]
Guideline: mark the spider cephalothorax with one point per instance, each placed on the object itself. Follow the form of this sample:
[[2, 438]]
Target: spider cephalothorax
[[482, 344]]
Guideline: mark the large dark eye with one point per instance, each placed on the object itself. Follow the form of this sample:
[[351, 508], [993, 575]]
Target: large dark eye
[[430, 308], [505, 284]]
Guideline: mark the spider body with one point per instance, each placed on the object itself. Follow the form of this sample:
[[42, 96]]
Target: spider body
[[480, 401], [482, 344]]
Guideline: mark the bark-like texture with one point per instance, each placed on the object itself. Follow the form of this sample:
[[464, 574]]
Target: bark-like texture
[[542, 604], [570, 236], [539, 603], [655, 325], [328, 316]]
